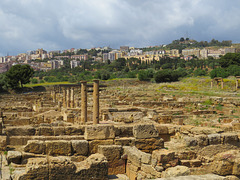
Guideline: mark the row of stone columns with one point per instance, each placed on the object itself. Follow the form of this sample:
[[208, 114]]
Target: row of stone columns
[[218, 80], [95, 101], [68, 99], [237, 84]]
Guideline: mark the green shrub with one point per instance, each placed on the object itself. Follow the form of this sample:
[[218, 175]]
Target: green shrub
[[219, 72], [34, 81]]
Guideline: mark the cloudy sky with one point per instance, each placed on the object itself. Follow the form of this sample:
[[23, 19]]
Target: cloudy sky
[[63, 24]]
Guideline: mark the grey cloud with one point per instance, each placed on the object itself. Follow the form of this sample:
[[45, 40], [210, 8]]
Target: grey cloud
[[61, 24]]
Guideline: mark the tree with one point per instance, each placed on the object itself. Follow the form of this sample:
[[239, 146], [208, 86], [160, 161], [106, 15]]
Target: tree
[[19, 75], [219, 72], [230, 59]]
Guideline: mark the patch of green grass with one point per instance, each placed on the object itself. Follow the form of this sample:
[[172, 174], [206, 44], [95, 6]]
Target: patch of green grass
[[46, 84], [219, 107], [11, 169], [207, 102]]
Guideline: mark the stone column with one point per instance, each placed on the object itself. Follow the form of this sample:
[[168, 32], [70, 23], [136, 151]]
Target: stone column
[[64, 98], [222, 83], [83, 101], [236, 84], [68, 97], [59, 106], [54, 95], [95, 101], [72, 97]]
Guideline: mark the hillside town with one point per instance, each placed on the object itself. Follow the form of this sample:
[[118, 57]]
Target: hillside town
[[42, 60]]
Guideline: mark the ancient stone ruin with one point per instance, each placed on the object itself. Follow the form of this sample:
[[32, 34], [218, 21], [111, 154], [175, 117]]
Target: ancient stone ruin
[[118, 131]]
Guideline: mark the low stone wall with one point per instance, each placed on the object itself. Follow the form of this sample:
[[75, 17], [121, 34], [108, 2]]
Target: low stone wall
[[212, 139], [94, 167]]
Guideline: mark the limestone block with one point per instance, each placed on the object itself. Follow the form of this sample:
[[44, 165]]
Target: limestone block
[[97, 167], [14, 157], [187, 155], [190, 141], [202, 140], [230, 138], [59, 147], [191, 163], [124, 131], [98, 132], [176, 171], [236, 167], [80, 147], [3, 143], [214, 139], [149, 145], [148, 169], [113, 154], [165, 158], [35, 146], [162, 130], [130, 141], [70, 130], [131, 171], [236, 126], [146, 158], [58, 131], [133, 155], [93, 145], [222, 167], [19, 140], [94, 167], [44, 131], [21, 131], [145, 131]]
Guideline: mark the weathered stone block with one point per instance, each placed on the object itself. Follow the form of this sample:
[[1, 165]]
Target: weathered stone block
[[44, 131], [35, 146], [58, 131], [19, 140], [150, 170], [214, 139], [125, 141], [3, 143], [190, 141], [131, 171], [113, 154], [149, 145], [176, 171], [230, 139], [80, 147], [162, 130], [133, 155], [21, 131], [164, 157], [236, 167], [98, 132], [146, 158], [69, 130], [94, 167], [14, 157], [60, 147], [222, 167], [191, 163], [145, 131], [202, 140], [124, 131], [93, 145]]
